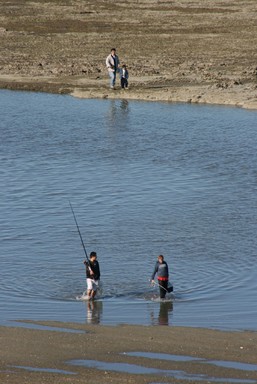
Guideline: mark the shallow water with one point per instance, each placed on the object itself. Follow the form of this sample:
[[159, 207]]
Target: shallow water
[[144, 179], [141, 370], [181, 358]]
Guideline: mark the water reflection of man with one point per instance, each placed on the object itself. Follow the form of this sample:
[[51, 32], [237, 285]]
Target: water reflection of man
[[165, 309], [94, 312], [118, 115]]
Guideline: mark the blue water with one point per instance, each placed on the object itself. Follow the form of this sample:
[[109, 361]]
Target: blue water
[[144, 179]]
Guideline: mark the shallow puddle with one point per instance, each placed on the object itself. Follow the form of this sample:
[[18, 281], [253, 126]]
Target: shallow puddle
[[233, 365], [140, 370], [219, 363]]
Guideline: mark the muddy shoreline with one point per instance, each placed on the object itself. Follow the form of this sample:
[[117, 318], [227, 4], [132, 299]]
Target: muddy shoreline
[[32, 356], [176, 51]]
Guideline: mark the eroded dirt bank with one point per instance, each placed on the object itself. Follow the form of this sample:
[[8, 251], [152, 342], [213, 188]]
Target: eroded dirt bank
[[190, 51]]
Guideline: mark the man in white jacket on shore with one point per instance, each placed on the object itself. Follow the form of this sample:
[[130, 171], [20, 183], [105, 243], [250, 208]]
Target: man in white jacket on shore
[[112, 64]]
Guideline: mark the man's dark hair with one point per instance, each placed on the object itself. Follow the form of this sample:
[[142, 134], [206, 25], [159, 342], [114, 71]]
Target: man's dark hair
[[92, 254]]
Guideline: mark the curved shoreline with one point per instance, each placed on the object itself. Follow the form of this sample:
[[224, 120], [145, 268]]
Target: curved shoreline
[[242, 96], [190, 94]]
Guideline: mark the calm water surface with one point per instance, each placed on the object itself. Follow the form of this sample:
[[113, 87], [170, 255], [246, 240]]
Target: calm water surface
[[144, 179]]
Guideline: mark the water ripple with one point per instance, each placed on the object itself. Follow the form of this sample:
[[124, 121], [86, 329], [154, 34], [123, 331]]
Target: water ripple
[[144, 179]]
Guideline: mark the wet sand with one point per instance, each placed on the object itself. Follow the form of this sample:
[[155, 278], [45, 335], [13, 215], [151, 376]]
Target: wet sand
[[176, 51], [41, 349]]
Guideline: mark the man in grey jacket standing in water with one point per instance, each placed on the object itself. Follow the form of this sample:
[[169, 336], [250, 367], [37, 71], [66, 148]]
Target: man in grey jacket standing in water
[[162, 270], [112, 64]]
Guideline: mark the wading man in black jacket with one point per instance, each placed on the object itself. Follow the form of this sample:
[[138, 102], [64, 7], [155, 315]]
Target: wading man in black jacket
[[93, 275]]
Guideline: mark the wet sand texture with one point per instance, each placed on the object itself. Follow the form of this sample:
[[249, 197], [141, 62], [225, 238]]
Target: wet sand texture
[[48, 353]]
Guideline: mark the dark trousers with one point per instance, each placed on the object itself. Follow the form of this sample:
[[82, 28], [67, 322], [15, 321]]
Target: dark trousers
[[123, 82], [163, 285]]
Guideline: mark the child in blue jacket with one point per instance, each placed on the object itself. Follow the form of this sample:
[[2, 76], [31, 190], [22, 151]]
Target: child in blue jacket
[[124, 75]]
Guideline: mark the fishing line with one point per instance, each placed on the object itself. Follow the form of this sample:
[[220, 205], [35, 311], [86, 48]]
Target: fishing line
[[82, 242], [169, 290]]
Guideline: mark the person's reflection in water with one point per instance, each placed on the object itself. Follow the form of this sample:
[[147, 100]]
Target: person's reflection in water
[[165, 309], [124, 105], [118, 114], [94, 311]]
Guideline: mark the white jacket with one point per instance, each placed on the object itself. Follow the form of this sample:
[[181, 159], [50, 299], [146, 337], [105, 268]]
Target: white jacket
[[110, 63]]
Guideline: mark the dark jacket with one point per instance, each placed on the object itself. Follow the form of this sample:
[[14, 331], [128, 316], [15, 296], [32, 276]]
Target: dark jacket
[[162, 271], [124, 74], [94, 266]]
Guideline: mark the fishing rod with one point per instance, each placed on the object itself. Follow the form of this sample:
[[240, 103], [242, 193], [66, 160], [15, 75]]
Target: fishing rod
[[169, 290], [82, 242]]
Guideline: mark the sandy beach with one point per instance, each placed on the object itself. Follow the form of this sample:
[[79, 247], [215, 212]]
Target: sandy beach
[[23, 350], [176, 51]]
